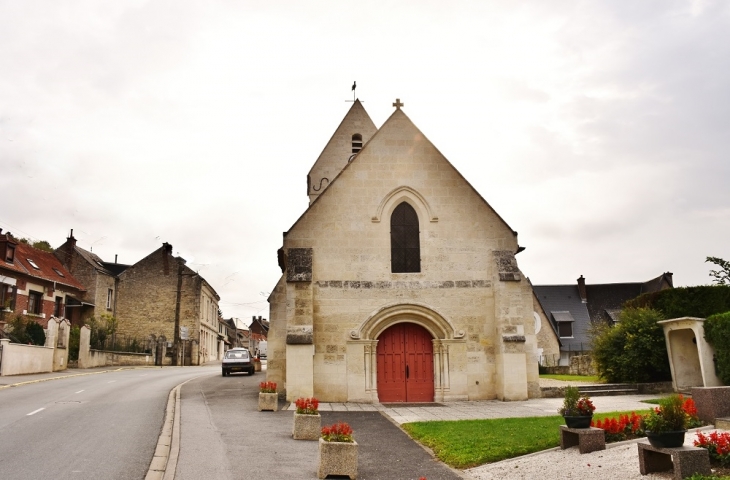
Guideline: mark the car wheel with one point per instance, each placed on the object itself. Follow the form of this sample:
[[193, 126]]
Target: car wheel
[[224, 373], [250, 372]]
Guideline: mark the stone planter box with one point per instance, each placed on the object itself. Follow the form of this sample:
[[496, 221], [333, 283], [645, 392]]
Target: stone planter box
[[268, 402], [337, 458], [307, 427]]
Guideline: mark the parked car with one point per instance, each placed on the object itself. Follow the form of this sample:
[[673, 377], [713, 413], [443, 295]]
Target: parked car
[[237, 360]]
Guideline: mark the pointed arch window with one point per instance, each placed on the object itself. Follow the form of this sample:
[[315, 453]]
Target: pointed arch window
[[405, 248], [356, 143]]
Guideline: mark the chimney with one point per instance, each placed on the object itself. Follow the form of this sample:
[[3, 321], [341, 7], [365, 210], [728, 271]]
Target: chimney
[[582, 289], [166, 252], [115, 258], [68, 250]]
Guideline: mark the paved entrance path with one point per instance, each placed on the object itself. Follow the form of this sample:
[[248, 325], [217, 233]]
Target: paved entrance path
[[538, 407]]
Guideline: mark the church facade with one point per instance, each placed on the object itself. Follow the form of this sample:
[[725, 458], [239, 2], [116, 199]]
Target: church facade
[[399, 282]]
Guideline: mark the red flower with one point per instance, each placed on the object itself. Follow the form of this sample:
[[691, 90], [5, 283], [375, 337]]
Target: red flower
[[267, 387], [339, 432]]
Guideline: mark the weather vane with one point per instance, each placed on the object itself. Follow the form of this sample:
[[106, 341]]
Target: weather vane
[[354, 86]]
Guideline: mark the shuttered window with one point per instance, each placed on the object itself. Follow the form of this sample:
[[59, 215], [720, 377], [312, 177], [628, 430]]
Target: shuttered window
[[405, 249]]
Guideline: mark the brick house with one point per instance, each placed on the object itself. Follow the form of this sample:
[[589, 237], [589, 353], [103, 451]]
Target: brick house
[[35, 283]]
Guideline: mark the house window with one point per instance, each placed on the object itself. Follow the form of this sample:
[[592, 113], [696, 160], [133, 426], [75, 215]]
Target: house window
[[405, 249], [565, 329], [35, 302], [10, 253], [32, 264], [109, 297], [58, 307], [356, 143], [59, 272]]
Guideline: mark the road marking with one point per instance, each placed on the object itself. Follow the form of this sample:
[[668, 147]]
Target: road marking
[[111, 381], [143, 375], [36, 411], [79, 391]]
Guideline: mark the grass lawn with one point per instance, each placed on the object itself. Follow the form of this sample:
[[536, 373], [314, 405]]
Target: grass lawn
[[573, 378], [468, 443]]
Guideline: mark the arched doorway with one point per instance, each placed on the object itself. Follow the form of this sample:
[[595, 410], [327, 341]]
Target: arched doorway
[[405, 364]]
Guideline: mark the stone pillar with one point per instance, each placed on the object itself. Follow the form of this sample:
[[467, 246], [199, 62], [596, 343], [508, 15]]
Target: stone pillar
[[4, 342], [299, 362], [84, 347]]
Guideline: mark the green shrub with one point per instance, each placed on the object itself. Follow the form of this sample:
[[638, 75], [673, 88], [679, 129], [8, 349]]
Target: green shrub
[[717, 332], [25, 330], [633, 350], [701, 301], [74, 343]]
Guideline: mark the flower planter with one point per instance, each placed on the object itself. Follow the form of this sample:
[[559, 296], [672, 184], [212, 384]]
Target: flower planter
[[666, 439], [579, 421], [268, 402], [307, 427], [257, 365], [337, 458]]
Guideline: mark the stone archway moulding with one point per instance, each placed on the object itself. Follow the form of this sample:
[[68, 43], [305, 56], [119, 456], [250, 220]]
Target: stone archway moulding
[[407, 192], [384, 317]]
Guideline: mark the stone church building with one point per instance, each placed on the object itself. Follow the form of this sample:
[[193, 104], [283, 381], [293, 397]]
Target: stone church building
[[399, 281]]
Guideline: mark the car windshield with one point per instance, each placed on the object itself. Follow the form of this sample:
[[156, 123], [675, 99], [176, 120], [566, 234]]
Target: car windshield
[[237, 354]]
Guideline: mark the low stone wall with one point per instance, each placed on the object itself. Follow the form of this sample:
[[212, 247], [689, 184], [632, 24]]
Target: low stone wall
[[582, 365], [641, 388], [101, 358], [18, 359]]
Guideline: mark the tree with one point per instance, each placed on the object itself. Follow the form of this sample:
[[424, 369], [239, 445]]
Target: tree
[[722, 276], [40, 244], [634, 350]]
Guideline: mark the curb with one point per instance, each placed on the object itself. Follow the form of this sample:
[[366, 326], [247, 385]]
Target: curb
[[164, 461]]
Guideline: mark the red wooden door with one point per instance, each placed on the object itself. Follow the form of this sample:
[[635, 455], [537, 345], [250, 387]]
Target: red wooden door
[[405, 364]]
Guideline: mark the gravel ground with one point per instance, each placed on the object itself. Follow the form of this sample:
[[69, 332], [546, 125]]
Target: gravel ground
[[619, 460]]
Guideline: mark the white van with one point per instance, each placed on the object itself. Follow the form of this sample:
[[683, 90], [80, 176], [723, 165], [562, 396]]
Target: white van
[[262, 348]]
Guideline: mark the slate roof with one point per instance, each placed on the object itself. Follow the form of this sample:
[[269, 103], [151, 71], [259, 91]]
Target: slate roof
[[604, 300], [49, 267], [555, 299], [108, 268]]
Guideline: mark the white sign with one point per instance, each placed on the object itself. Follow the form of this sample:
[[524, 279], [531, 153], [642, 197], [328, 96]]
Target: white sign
[[183, 333]]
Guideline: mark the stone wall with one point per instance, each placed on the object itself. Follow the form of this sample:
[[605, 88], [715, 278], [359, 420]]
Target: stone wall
[[147, 296], [582, 365]]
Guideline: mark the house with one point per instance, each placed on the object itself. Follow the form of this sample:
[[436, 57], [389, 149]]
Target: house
[[160, 299], [258, 332], [572, 309], [35, 283], [399, 281], [100, 279]]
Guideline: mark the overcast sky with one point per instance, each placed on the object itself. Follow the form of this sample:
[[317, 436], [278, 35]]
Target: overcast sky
[[598, 130]]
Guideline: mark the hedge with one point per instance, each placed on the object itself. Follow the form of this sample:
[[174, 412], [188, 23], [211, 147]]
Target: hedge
[[700, 301], [717, 332]]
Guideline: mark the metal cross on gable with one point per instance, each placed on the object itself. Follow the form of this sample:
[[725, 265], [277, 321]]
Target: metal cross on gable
[[397, 103]]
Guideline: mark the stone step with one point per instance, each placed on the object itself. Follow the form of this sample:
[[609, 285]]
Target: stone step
[[607, 386], [722, 423], [609, 392]]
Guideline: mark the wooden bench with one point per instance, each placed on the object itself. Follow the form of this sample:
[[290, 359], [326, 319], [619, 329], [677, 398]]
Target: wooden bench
[[588, 439], [686, 461]]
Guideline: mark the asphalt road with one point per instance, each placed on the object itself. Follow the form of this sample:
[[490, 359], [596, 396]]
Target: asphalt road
[[87, 427]]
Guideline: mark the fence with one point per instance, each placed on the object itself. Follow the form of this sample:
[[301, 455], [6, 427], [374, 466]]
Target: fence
[[122, 343]]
